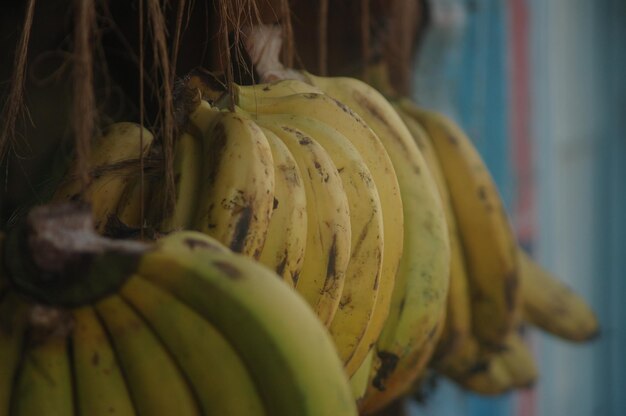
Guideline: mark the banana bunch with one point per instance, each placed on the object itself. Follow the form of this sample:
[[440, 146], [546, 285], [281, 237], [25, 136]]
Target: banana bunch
[[193, 329], [495, 287]]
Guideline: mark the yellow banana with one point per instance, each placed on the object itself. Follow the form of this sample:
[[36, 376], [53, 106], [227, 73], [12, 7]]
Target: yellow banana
[[421, 285], [369, 146], [407, 373], [327, 249], [518, 361], [552, 306], [360, 289], [286, 237], [148, 367], [287, 351], [458, 324], [99, 382], [189, 240], [360, 378], [220, 380], [237, 176], [186, 167], [488, 240], [44, 383], [13, 320], [114, 160]]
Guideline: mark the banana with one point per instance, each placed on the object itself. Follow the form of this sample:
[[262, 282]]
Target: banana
[[327, 250], [369, 146], [488, 240], [288, 353], [489, 377], [189, 240], [217, 374], [237, 176], [458, 324], [286, 237], [113, 158], [148, 367], [250, 96], [407, 373], [360, 378], [44, 383], [519, 361], [99, 382], [360, 289], [128, 210], [13, 320], [421, 285], [186, 167], [552, 306]]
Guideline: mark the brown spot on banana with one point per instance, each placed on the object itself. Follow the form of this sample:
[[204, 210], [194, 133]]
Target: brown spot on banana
[[228, 269], [331, 266], [241, 229], [194, 243], [388, 364]]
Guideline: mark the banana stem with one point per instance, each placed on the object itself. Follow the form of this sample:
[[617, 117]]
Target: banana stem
[[56, 257]]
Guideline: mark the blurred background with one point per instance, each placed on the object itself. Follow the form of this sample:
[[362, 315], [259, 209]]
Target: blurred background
[[540, 86]]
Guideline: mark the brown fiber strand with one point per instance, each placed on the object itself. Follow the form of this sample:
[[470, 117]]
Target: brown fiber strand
[[323, 38], [223, 30], [365, 32], [177, 33], [159, 41], [288, 35], [84, 103], [141, 120], [13, 106]]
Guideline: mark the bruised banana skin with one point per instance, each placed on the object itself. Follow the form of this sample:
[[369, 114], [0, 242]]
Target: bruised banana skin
[[310, 102], [237, 175], [119, 145], [552, 306], [219, 379], [360, 289], [327, 251], [286, 237], [488, 241], [458, 323], [100, 386], [290, 356], [148, 366], [421, 285]]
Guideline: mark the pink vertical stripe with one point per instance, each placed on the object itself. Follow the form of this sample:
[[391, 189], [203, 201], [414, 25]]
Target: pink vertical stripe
[[520, 131]]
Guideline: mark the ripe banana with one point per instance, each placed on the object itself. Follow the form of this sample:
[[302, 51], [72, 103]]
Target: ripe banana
[[220, 381], [148, 367], [237, 176], [114, 158], [360, 289], [327, 251], [458, 325], [421, 286], [189, 240], [44, 384], [288, 353], [335, 114], [519, 361], [99, 382], [186, 167], [128, 210], [552, 306], [488, 240], [361, 377], [286, 237], [13, 321]]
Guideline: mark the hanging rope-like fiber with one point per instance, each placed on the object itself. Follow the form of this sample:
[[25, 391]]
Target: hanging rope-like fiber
[[14, 105], [84, 103], [323, 38]]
